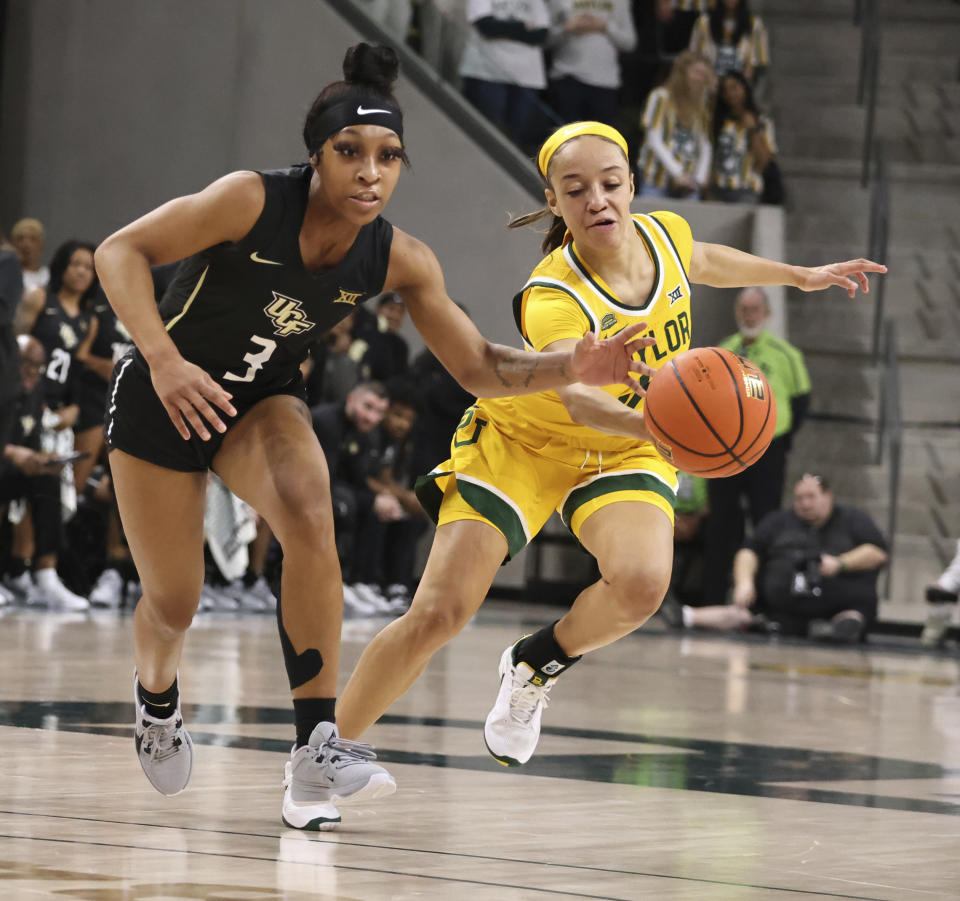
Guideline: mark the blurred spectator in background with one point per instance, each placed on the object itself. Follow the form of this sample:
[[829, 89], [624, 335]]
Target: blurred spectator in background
[[942, 599], [110, 341], [686, 580], [30, 475], [503, 65], [330, 372], [814, 568], [675, 157], [381, 572], [393, 16], [441, 404], [28, 236], [585, 38], [745, 169], [59, 316], [11, 292], [386, 355], [347, 433], [760, 486], [733, 39]]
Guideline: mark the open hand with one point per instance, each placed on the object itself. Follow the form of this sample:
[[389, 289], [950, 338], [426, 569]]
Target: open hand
[[610, 361], [186, 392], [848, 275]]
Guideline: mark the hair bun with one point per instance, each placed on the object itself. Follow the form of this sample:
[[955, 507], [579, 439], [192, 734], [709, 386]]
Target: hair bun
[[376, 65]]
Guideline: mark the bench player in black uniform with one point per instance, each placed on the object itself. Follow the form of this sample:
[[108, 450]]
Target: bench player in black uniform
[[271, 260], [59, 317]]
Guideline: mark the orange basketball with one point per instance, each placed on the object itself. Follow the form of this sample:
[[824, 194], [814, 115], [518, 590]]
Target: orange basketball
[[711, 412]]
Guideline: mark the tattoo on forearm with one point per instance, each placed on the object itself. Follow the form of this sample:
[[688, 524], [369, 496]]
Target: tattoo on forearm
[[515, 368]]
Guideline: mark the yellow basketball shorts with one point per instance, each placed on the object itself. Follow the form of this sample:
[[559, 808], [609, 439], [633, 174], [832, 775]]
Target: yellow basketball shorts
[[514, 484]]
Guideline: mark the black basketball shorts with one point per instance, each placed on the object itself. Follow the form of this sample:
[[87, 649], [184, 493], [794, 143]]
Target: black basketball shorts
[[137, 423]]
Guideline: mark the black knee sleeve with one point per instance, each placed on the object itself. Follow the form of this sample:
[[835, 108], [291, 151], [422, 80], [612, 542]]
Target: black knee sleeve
[[301, 668]]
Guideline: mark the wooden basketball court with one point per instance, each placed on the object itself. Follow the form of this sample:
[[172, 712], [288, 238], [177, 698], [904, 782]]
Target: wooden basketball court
[[671, 766]]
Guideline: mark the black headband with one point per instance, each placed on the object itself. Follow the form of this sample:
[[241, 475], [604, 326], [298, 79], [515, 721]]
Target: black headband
[[355, 112]]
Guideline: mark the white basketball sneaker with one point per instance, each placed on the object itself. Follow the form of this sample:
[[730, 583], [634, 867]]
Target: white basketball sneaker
[[512, 729], [330, 770]]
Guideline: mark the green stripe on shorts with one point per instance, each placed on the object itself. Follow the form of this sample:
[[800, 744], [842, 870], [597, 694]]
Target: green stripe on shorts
[[429, 493], [498, 511], [630, 481]]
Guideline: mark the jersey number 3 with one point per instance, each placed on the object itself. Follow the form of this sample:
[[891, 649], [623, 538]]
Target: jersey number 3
[[254, 361]]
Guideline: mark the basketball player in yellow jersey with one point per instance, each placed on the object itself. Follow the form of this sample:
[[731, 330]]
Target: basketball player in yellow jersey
[[582, 450]]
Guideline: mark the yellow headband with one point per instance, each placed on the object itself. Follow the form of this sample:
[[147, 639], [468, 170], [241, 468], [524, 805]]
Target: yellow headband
[[574, 130]]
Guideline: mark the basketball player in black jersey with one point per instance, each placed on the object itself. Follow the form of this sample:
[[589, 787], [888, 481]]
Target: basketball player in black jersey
[[271, 260], [59, 317]]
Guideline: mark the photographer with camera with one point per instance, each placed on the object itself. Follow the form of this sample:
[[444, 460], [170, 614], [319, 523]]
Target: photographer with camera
[[813, 569]]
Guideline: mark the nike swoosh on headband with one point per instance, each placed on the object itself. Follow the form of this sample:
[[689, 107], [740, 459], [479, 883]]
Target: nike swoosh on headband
[[368, 112]]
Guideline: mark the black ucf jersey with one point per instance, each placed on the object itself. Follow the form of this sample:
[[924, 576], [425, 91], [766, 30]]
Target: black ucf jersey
[[61, 336], [246, 312]]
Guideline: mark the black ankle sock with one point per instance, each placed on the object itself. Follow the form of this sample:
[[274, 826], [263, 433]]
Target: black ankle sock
[[541, 652], [16, 567], [310, 711], [159, 705], [250, 577]]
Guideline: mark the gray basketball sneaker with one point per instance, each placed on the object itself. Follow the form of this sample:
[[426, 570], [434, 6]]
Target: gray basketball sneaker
[[330, 770], [164, 748]]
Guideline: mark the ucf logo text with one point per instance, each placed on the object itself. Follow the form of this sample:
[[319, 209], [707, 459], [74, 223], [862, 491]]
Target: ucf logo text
[[287, 315]]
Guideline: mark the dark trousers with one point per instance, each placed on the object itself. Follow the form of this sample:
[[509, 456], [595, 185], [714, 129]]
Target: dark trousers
[[43, 494], [573, 101], [511, 107], [762, 487], [384, 552]]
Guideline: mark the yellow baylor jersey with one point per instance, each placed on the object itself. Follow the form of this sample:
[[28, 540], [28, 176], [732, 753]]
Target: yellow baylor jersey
[[565, 298]]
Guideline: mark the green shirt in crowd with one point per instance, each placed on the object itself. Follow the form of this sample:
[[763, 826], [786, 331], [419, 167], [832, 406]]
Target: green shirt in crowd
[[784, 368]]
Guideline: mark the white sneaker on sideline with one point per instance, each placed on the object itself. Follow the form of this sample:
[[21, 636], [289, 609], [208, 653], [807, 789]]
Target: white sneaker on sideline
[[373, 596], [108, 592], [22, 588], [355, 606], [56, 595]]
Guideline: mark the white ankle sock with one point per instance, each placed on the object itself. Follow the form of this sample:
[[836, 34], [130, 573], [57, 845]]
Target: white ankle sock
[[687, 616]]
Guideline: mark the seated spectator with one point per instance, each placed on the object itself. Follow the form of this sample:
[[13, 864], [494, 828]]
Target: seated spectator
[[733, 39], [61, 318], [675, 157], [31, 475], [384, 554], [11, 291], [386, 354], [813, 568], [502, 66], [442, 401], [584, 46], [109, 343], [28, 236], [330, 372], [807, 571], [758, 490], [745, 169], [942, 599], [353, 453]]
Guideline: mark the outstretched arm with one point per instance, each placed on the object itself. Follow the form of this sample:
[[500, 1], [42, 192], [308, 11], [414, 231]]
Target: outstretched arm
[[726, 267], [494, 370]]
